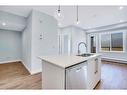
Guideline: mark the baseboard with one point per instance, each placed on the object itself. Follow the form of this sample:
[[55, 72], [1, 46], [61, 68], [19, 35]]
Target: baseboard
[[4, 62], [35, 72], [28, 69], [114, 60], [31, 71], [12, 61]]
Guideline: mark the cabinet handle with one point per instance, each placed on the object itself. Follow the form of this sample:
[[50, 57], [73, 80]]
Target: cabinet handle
[[96, 65]]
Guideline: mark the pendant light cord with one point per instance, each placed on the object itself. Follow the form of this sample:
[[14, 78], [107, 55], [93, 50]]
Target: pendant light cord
[[59, 9], [77, 13]]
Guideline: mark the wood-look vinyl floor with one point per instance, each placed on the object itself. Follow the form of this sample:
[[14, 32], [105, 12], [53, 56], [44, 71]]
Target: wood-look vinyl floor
[[113, 76], [15, 76]]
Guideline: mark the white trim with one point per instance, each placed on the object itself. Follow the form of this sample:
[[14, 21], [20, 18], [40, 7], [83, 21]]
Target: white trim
[[124, 41], [110, 42], [112, 51], [30, 71], [36, 71], [4, 62], [26, 67], [114, 60]]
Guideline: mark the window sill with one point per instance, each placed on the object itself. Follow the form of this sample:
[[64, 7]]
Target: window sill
[[112, 51]]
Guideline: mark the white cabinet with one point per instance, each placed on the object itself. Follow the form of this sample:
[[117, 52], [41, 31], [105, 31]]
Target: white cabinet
[[53, 76], [83, 75], [76, 76], [94, 72]]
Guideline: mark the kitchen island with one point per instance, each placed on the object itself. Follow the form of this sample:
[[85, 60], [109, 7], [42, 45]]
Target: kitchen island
[[70, 71]]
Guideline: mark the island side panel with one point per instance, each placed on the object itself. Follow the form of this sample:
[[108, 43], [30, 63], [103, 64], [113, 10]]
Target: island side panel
[[53, 76]]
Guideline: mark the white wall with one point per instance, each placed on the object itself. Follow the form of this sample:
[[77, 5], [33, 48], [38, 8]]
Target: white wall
[[116, 56], [10, 46], [46, 26], [62, 32], [39, 24], [78, 35], [26, 43]]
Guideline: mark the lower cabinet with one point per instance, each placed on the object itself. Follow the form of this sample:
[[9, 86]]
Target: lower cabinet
[[94, 72], [85, 75]]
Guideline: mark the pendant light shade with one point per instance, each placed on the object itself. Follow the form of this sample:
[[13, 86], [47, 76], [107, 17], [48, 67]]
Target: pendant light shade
[[58, 15]]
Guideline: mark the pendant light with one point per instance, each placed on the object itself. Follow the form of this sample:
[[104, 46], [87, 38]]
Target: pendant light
[[58, 15], [77, 15]]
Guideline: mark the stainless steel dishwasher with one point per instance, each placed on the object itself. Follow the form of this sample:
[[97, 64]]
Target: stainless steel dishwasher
[[76, 76]]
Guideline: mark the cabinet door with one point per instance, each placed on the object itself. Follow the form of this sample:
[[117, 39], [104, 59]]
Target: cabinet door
[[94, 75], [97, 70], [90, 73], [76, 77]]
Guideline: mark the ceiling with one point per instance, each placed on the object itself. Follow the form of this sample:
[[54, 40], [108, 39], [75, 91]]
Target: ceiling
[[89, 16]]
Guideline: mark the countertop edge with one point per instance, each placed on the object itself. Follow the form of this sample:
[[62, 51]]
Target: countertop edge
[[42, 58]]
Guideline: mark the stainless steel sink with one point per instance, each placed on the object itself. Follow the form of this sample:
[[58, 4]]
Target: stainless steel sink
[[85, 55]]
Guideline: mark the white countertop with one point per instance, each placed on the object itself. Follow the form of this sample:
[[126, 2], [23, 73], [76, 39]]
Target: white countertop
[[66, 60]]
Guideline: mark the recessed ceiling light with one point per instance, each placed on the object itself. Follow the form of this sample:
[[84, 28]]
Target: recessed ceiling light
[[3, 23], [121, 7]]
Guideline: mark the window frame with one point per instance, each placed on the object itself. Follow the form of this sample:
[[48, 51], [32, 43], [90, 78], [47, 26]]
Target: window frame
[[113, 32]]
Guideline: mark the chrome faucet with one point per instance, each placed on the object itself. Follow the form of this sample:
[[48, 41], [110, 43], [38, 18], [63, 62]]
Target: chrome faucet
[[80, 44]]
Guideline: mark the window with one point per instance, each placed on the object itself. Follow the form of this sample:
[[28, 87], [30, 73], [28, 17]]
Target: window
[[117, 42], [112, 41], [105, 42]]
